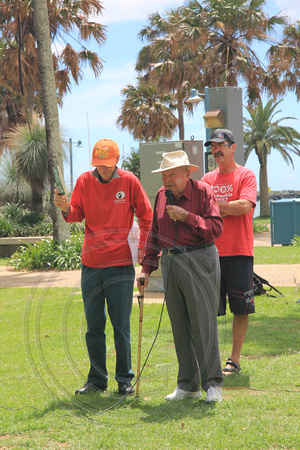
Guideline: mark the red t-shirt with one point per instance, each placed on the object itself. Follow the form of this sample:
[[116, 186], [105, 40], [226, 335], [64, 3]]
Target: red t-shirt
[[108, 210], [237, 236]]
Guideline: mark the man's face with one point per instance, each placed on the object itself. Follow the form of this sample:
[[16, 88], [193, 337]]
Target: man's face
[[222, 151], [176, 180], [106, 172]]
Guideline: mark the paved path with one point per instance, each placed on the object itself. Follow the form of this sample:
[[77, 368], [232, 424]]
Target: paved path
[[276, 274]]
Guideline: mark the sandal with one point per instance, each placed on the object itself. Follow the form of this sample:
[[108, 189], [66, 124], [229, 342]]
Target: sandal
[[236, 368]]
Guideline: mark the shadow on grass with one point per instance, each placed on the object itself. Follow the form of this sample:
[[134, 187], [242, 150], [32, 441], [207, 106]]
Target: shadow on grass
[[96, 406], [175, 411], [237, 380], [89, 404]]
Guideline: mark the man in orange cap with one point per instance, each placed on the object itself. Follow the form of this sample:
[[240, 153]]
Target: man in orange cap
[[107, 198]]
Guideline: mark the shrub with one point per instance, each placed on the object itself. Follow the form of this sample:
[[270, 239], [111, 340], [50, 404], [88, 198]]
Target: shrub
[[34, 256], [26, 223], [15, 220], [46, 255], [296, 240], [259, 227], [5, 228], [69, 253]]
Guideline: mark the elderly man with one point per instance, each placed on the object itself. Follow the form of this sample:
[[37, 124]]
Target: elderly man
[[235, 189], [107, 198], [185, 223]]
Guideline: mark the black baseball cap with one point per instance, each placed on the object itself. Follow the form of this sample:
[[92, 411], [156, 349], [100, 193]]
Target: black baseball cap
[[220, 135]]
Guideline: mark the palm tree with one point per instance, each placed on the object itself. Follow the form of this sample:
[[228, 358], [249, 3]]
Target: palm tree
[[28, 142], [132, 162], [61, 230], [13, 188], [19, 68], [210, 45], [222, 32], [262, 134], [163, 60], [146, 113], [284, 67]]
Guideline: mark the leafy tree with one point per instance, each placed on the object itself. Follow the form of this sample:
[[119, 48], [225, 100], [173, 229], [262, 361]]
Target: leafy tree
[[132, 162], [19, 68], [262, 134], [146, 113]]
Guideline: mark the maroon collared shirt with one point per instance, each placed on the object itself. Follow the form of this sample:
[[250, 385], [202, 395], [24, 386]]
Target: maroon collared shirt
[[202, 226]]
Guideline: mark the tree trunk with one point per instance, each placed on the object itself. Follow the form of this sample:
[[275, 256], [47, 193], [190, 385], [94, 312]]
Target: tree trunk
[[180, 119], [61, 230], [264, 191], [37, 200], [30, 90]]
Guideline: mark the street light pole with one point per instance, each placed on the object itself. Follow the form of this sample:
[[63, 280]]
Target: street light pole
[[79, 144], [71, 166]]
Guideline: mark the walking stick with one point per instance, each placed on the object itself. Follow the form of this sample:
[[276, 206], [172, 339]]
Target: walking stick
[[141, 303]]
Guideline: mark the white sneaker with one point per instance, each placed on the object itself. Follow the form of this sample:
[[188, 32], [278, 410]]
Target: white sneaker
[[214, 394], [180, 394]]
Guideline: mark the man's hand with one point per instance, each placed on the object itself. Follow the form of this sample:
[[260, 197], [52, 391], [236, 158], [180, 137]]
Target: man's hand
[[145, 277], [61, 201], [177, 213]]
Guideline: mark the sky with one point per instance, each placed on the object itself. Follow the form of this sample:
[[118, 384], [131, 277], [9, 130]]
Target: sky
[[90, 110]]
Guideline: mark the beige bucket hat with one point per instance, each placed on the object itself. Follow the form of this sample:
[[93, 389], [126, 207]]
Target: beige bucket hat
[[172, 160]]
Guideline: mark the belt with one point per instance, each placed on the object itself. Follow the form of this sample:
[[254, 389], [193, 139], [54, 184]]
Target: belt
[[185, 248]]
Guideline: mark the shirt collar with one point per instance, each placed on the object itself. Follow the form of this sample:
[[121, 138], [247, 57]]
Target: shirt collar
[[187, 193], [96, 175]]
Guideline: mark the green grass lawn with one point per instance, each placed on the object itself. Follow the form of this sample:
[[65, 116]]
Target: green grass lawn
[[44, 359], [262, 255], [4, 261], [277, 255]]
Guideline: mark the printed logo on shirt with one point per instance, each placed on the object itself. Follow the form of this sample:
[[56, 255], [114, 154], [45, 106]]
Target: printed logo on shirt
[[223, 192], [120, 197]]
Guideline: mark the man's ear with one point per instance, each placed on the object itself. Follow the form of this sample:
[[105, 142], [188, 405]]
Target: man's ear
[[117, 159]]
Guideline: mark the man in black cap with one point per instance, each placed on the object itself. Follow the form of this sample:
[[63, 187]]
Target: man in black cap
[[235, 189]]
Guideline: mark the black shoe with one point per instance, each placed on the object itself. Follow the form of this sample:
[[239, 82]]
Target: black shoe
[[125, 389], [89, 387]]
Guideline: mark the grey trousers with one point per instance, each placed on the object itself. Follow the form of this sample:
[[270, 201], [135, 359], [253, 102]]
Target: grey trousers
[[192, 286]]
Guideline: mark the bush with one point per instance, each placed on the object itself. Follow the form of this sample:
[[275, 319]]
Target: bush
[[23, 222], [5, 228], [296, 240], [259, 227], [47, 255], [17, 221], [69, 254]]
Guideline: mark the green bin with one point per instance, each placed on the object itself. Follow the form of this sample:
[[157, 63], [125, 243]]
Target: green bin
[[284, 220]]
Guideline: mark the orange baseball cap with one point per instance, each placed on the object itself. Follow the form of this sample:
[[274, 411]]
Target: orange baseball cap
[[105, 153]]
